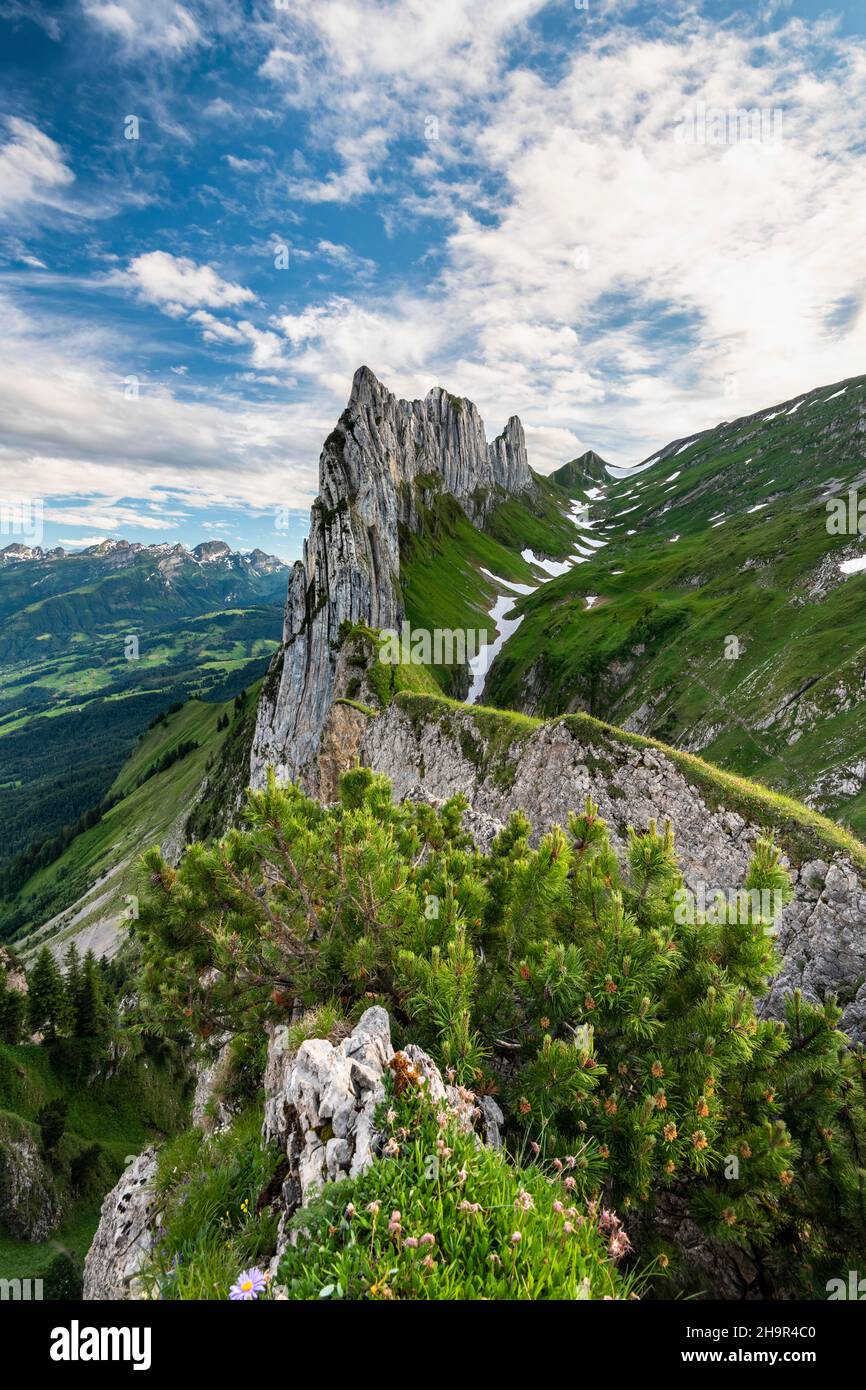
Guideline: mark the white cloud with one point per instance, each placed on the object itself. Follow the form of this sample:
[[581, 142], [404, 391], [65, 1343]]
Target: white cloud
[[617, 280], [176, 283], [32, 168], [69, 426]]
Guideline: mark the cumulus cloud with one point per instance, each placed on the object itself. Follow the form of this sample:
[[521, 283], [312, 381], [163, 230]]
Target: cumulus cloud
[[176, 283]]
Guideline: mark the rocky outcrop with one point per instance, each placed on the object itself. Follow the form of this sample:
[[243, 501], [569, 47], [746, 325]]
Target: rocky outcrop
[[30, 1208], [210, 1111], [125, 1235], [321, 1104], [549, 771], [385, 456]]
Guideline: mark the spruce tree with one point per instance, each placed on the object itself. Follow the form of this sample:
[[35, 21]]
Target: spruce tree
[[48, 1004], [91, 1013], [73, 978]]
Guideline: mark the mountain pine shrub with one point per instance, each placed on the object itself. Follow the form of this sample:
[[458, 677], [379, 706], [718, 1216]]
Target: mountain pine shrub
[[613, 1025]]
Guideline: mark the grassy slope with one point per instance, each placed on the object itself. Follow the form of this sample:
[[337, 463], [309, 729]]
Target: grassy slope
[[443, 583], [144, 816], [658, 636], [804, 833], [140, 1103]]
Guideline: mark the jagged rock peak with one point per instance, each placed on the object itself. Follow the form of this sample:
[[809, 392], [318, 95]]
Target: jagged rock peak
[[383, 461]]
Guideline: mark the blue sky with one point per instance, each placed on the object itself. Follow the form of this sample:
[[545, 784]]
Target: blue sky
[[491, 195]]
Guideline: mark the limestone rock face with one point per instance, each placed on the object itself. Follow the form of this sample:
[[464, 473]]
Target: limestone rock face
[[125, 1234], [29, 1206], [321, 1103], [821, 939], [383, 453]]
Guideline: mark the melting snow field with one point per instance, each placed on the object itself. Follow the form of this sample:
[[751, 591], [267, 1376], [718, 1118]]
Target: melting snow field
[[853, 566], [506, 627], [480, 664]]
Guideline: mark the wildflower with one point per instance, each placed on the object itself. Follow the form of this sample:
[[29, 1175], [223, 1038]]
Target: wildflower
[[545, 1023], [557, 1163], [663, 1261], [610, 1107], [251, 1282], [516, 1237], [462, 1175], [745, 1151], [570, 1160], [701, 1108], [524, 1106], [428, 1262], [374, 1208], [391, 1149], [604, 1151], [610, 986], [350, 1210], [670, 1166], [443, 1149], [524, 1201], [411, 1242], [699, 1139], [536, 1148], [589, 1003], [786, 1177], [442, 1118], [558, 1208], [657, 1070], [619, 1244], [729, 1216], [391, 1116], [670, 1132], [660, 1100], [428, 1239], [570, 1183], [568, 1228]]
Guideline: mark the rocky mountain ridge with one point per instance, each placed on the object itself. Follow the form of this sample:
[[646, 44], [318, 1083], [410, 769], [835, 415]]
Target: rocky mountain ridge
[[433, 750], [120, 553], [376, 468]]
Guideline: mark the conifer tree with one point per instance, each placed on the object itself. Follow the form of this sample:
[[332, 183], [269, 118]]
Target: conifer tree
[[73, 977], [91, 1013], [47, 1001]]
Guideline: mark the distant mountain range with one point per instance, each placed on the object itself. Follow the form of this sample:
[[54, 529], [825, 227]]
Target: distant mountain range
[[96, 643]]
